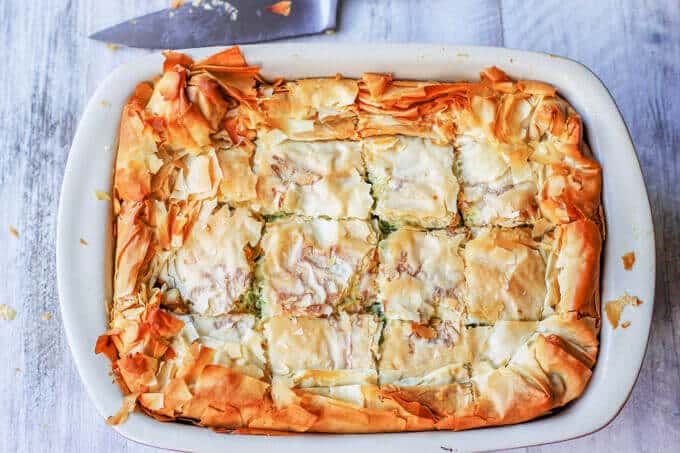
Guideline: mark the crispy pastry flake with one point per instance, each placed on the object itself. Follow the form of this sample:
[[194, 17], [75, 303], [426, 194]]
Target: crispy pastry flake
[[615, 307], [101, 195], [125, 410], [628, 260], [282, 8]]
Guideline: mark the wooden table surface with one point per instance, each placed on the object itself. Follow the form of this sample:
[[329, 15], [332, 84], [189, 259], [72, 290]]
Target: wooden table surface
[[51, 69]]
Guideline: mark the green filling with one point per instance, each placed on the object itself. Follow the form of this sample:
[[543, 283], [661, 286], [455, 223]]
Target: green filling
[[251, 302], [269, 218], [386, 228]]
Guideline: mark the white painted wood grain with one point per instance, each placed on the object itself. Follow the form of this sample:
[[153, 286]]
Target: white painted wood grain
[[50, 68]]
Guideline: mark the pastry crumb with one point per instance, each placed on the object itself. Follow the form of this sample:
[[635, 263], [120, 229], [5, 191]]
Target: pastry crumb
[[615, 307], [105, 103], [625, 324], [102, 195], [174, 4], [7, 313], [628, 260], [112, 47], [423, 331], [13, 231], [83, 241], [128, 406], [46, 316], [541, 226], [281, 8]]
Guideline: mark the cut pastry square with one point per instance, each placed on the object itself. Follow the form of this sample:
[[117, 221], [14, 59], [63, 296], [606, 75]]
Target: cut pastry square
[[323, 352], [521, 157], [421, 275], [505, 273], [311, 109], [406, 107], [554, 355], [311, 178], [235, 340], [499, 183], [316, 267], [499, 112], [418, 354], [413, 181], [498, 346], [212, 270]]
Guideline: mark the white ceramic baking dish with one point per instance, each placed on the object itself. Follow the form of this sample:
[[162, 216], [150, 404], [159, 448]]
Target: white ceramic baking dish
[[84, 273]]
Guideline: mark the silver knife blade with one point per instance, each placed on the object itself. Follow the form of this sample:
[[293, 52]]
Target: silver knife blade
[[217, 24]]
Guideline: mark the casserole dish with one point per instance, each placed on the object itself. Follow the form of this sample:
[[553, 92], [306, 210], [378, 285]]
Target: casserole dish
[[605, 131]]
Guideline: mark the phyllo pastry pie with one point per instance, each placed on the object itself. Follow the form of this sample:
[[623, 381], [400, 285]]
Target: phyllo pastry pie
[[349, 256]]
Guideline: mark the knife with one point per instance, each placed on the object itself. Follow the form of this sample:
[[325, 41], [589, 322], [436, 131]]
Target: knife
[[219, 22]]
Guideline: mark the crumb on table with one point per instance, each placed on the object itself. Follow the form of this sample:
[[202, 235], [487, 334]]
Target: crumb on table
[[628, 260], [7, 313], [101, 195]]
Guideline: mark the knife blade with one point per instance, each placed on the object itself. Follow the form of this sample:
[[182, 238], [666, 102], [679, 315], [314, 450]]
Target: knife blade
[[219, 22]]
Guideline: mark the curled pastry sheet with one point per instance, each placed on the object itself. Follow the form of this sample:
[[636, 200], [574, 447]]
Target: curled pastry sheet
[[289, 255]]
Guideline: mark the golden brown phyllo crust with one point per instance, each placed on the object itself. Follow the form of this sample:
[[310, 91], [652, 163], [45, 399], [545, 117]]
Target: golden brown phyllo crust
[[348, 256]]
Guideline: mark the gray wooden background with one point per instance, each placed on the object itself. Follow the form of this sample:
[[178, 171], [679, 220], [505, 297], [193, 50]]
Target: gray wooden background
[[50, 69]]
